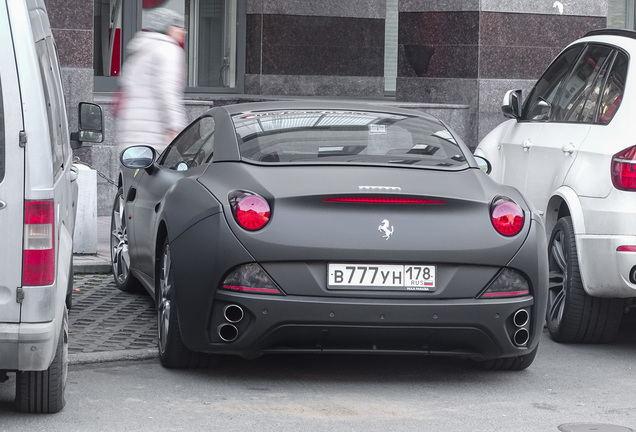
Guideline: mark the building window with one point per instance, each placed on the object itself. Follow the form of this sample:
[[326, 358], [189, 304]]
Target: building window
[[621, 14], [391, 47], [213, 45]]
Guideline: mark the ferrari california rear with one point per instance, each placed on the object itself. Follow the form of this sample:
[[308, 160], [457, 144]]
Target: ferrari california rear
[[307, 227]]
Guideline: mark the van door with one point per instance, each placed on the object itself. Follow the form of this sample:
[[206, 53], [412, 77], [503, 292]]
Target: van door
[[11, 177]]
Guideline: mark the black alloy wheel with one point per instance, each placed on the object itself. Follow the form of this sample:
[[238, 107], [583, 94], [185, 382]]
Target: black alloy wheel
[[120, 258], [173, 353], [573, 316]]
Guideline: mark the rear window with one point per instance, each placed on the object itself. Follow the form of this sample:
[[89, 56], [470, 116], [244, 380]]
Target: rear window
[[349, 137]]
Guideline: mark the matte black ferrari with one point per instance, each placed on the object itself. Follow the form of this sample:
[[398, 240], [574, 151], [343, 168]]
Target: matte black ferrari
[[309, 227]]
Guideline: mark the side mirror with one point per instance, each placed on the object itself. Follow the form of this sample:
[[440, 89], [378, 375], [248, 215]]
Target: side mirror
[[512, 105], [483, 164], [91, 127], [138, 157]]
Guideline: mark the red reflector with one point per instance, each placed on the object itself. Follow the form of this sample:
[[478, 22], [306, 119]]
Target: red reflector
[[624, 169], [383, 200], [626, 249], [250, 289], [506, 294], [38, 266]]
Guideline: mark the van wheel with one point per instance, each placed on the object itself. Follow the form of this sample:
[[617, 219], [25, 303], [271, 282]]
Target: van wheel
[[120, 258], [573, 316], [43, 391], [172, 351]]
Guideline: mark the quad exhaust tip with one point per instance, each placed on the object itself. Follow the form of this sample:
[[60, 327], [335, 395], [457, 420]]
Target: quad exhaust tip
[[233, 313], [521, 318], [521, 337], [227, 332]]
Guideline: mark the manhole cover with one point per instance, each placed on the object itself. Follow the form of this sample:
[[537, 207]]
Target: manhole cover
[[592, 427]]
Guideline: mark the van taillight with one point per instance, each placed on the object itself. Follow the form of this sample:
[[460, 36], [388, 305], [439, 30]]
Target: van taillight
[[38, 266], [624, 169]]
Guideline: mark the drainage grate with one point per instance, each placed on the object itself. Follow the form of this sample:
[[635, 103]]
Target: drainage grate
[[103, 318]]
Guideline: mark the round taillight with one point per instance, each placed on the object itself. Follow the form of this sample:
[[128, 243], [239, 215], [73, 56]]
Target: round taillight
[[251, 212], [507, 217]]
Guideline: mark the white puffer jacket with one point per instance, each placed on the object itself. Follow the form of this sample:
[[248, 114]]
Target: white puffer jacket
[[152, 83]]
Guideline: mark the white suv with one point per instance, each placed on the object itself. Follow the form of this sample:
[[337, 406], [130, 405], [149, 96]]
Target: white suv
[[38, 195], [571, 149]]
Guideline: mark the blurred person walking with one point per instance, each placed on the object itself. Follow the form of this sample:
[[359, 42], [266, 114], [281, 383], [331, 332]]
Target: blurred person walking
[[150, 108]]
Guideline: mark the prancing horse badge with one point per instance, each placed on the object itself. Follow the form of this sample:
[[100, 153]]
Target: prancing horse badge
[[385, 230]]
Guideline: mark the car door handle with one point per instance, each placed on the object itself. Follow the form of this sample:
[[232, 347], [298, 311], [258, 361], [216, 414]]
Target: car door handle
[[2, 205], [568, 149], [526, 144]]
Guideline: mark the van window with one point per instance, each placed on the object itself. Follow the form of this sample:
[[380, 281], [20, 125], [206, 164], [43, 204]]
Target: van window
[[2, 142], [53, 101]]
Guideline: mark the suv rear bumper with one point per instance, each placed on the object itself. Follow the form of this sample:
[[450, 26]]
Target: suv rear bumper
[[604, 270], [28, 347]]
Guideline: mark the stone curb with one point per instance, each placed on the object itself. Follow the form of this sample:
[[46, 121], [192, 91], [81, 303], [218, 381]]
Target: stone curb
[[91, 264], [112, 356]]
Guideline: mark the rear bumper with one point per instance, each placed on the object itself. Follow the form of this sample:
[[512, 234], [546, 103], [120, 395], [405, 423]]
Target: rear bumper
[[477, 329], [604, 270], [27, 347]]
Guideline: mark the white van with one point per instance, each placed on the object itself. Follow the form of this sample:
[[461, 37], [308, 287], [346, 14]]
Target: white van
[[38, 196]]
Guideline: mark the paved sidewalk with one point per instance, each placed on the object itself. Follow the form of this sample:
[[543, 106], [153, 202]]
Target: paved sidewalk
[[106, 324]]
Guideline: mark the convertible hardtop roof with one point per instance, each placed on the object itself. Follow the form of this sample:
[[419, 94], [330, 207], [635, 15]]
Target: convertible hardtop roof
[[612, 32], [322, 105]]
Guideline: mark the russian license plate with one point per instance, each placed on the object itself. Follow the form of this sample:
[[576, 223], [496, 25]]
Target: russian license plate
[[382, 277]]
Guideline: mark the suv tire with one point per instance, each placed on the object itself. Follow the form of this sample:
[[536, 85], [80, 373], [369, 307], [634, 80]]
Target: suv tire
[[573, 316]]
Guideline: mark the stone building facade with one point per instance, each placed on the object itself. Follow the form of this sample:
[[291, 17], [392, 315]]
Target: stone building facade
[[453, 58]]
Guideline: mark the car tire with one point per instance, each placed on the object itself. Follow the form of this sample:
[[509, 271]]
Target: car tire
[[510, 363], [572, 315], [43, 391], [119, 256], [173, 353]]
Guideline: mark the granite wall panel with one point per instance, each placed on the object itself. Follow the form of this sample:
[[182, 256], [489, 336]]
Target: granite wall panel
[[550, 7], [534, 30], [438, 44], [74, 47], [254, 44], [70, 14], [333, 8], [438, 5], [515, 62], [302, 45], [507, 52], [306, 85]]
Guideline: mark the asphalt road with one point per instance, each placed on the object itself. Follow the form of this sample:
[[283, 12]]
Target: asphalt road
[[567, 384]]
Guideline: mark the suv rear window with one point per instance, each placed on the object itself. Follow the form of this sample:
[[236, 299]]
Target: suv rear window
[[350, 137]]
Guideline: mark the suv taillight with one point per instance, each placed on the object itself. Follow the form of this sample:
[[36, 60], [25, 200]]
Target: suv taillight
[[624, 169], [38, 266]]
